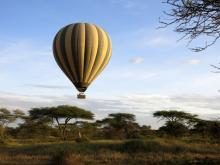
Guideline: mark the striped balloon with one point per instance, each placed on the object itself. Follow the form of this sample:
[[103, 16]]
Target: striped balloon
[[82, 51]]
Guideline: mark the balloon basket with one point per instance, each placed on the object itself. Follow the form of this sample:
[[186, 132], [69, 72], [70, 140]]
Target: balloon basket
[[81, 96]]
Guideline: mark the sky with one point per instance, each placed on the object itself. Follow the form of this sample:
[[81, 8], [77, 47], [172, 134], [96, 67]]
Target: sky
[[149, 70]]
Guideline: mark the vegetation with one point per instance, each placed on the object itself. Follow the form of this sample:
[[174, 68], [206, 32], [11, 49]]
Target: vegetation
[[69, 135], [151, 151], [65, 112], [177, 122], [120, 125]]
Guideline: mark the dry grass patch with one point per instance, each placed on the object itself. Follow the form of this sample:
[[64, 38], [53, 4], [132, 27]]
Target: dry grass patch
[[22, 159]]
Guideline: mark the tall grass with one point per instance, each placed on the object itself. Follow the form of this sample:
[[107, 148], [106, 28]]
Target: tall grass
[[153, 151]]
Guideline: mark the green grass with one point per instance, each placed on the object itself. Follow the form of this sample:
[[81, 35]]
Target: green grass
[[151, 151]]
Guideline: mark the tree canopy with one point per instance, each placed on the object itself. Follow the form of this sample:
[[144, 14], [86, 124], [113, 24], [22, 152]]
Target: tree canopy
[[71, 122], [119, 125], [7, 116], [64, 112], [176, 122], [174, 115]]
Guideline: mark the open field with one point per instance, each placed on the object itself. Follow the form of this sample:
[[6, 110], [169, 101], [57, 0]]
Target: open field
[[154, 151]]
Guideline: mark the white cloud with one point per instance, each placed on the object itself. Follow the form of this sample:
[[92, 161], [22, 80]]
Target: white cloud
[[142, 106], [159, 41], [137, 60], [193, 62], [47, 86]]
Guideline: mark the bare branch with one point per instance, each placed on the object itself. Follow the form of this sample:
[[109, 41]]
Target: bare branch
[[193, 19]]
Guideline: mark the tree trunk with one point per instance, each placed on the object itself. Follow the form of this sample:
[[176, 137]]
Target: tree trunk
[[61, 130], [79, 134]]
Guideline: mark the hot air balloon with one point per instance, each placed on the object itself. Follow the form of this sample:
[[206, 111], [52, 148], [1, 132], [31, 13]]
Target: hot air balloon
[[82, 51]]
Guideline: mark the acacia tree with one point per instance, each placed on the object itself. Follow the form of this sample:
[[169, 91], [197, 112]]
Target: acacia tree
[[176, 122], [176, 116], [61, 113], [19, 114], [195, 18], [120, 125], [208, 128], [32, 128], [7, 117], [84, 127]]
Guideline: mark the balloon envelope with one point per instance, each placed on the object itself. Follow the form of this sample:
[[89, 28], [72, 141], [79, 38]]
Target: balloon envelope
[[82, 51]]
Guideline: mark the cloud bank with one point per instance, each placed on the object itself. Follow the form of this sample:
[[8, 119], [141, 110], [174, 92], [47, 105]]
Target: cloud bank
[[142, 106], [46, 86]]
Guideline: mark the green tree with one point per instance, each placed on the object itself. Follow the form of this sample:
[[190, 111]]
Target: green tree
[[176, 122], [32, 128], [7, 117], [146, 131], [19, 114], [120, 125], [174, 128], [208, 128], [214, 130], [85, 128], [61, 113]]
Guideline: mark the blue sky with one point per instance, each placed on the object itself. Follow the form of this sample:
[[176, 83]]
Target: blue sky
[[149, 70]]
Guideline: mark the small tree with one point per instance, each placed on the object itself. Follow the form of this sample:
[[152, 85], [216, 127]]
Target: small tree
[[174, 128], [19, 114], [6, 117], [146, 131], [83, 128], [32, 128], [120, 125], [208, 128]]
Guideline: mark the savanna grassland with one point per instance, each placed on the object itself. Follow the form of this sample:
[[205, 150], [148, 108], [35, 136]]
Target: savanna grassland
[[69, 135], [148, 151]]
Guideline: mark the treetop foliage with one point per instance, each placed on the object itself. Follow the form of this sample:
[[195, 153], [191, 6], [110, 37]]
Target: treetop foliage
[[173, 115], [62, 111], [122, 116], [7, 116], [56, 122]]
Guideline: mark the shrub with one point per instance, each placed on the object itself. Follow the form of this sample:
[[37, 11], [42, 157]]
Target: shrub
[[59, 158], [82, 140], [134, 145]]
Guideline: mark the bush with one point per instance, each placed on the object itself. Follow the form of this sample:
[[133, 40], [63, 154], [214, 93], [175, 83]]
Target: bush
[[82, 140], [2, 141], [59, 158], [134, 146]]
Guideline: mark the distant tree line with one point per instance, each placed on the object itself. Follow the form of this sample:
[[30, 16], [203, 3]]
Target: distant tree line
[[73, 123]]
